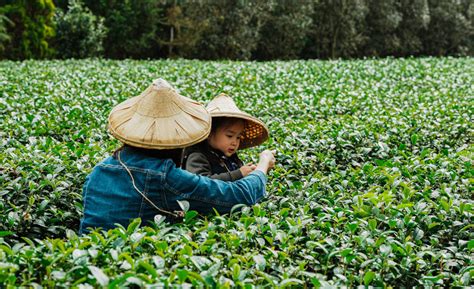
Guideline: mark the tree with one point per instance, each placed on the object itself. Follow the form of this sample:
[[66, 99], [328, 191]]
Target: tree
[[337, 29], [283, 34], [79, 33], [450, 30], [31, 30], [184, 31], [132, 26], [415, 21], [233, 30], [4, 37], [382, 21]]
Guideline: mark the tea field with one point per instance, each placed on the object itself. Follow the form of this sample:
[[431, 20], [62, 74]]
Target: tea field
[[373, 186]]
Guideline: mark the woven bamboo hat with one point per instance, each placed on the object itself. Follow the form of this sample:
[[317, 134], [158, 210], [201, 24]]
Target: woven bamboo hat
[[255, 132], [160, 118]]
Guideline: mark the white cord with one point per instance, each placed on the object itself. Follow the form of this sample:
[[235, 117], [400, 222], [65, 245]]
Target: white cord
[[142, 194]]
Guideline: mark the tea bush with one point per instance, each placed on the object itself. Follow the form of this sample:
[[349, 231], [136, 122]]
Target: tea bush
[[374, 182]]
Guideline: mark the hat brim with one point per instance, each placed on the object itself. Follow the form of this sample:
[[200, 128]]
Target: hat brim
[[160, 146]]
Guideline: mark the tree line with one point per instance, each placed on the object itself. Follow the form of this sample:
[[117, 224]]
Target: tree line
[[235, 29]]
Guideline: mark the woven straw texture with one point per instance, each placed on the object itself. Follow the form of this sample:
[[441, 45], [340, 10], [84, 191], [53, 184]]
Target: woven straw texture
[[160, 118], [255, 132]]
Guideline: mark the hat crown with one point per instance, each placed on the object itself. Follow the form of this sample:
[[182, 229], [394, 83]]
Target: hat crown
[[160, 118], [160, 100], [160, 83], [222, 103]]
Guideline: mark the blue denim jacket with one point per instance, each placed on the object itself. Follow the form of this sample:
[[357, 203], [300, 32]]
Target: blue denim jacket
[[109, 196]]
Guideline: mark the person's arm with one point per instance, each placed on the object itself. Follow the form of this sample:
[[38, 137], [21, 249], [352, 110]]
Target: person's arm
[[197, 163], [216, 193]]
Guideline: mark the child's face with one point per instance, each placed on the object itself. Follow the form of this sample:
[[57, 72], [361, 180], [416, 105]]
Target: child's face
[[227, 138]]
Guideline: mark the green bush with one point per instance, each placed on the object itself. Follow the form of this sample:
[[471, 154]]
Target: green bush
[[79, 33], [32, 28], [373, 183]]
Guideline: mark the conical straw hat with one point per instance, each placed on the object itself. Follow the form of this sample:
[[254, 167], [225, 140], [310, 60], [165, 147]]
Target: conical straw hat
[[160, 118], [255, 132]]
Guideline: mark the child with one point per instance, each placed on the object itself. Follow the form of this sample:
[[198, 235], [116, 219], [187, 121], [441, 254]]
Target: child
[[232, 129]]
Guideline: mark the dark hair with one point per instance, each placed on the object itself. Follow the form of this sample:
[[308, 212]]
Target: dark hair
[[173, 154], [223, 121]]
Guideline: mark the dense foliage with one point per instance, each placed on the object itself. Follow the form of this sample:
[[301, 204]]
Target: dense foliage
[[373, 185], [79, 33], [133, 27], [241, 29], [4, 37], [29, 30]]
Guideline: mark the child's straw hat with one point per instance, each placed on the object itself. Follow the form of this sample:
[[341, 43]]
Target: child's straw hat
[[255, 132], [160, 118]]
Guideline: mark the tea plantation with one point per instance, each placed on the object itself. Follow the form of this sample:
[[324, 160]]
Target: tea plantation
[[373, 186]]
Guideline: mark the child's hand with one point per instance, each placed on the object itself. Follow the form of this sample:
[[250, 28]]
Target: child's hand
[[247, 169], [267, 157], [267, 161]]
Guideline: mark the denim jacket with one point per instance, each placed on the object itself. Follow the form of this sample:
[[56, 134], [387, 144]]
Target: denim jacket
[[109, 196]]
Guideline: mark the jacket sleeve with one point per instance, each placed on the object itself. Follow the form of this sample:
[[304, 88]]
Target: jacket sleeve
[[197, 163], [248, 190]]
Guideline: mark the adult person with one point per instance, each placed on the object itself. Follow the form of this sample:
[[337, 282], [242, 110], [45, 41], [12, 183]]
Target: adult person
[[143, 178]]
